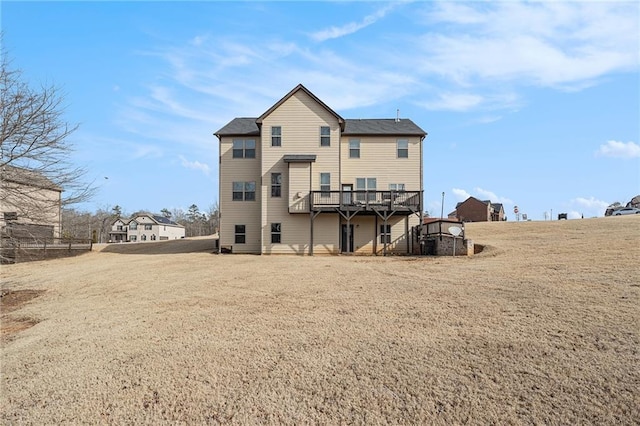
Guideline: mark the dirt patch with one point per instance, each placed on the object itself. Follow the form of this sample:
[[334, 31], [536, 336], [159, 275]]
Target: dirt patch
[[10, 301]]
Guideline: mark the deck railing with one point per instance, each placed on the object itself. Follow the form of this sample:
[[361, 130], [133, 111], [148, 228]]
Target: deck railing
[[366, 200]]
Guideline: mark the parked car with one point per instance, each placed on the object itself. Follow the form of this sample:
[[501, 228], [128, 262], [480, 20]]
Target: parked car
[[626, 210]]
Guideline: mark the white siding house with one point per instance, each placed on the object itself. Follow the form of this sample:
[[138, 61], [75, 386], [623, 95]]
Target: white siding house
[[145, 228]]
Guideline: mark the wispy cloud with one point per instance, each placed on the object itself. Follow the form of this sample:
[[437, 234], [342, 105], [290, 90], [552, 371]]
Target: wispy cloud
[[587, 207], [617, 149], [492, 196], [194, 165], [453, 102], [591, 203], [481, 194], [352, 27], [487, 119], [564, 45], [460, 194], [473, 57], [139, 151]]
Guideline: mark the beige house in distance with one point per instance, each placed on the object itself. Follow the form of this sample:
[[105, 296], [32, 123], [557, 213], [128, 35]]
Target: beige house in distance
[[145, 228], [300, 179]]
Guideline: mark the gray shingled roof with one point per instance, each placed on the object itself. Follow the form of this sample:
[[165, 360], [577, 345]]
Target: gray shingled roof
[[374, 126], [245, 126], [163, 220], [382, 126]]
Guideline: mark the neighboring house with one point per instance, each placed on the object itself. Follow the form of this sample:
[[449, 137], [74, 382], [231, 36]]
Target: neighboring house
[[300, 179], [474, 210], [30, 204], [118, 233], [145, 227]]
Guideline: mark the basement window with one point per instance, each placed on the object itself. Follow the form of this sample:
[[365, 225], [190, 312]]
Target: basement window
[[240, 236], [276, 234]]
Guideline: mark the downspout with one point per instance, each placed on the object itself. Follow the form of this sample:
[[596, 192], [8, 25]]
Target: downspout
[[309, 203], [219, 191], [421, 194], [339, 183]]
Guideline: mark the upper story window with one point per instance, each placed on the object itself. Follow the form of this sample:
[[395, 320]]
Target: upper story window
[[325, 136], [354, 148], [119, 227], [148, 227], [244, 148], [276, 136], [325, 184], [403, 148], [396, 187], [133, 226], [368, 185], [244, 191], [276, 184]]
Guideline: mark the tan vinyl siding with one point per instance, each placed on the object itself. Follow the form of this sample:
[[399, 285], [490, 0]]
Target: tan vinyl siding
[[300, 119], [378, 159], [239, 212], [298, 182], [399, 240], [296, 232], [366, 229]]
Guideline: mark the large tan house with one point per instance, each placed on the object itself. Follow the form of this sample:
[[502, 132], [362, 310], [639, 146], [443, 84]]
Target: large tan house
[[300, 179], [30, 204]]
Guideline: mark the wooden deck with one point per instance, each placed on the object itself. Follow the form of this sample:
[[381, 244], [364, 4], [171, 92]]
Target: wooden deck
[[371, 202]]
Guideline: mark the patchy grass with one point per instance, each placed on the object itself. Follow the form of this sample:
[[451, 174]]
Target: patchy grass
[[543, 326]]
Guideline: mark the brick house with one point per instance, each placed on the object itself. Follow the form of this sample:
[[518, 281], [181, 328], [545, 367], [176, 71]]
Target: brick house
[[474, 210]]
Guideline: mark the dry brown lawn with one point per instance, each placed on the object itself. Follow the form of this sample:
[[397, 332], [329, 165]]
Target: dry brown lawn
[[542, 327]]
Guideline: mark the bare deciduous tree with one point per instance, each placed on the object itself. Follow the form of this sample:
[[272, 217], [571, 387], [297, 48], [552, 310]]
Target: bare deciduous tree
[[34, 143]]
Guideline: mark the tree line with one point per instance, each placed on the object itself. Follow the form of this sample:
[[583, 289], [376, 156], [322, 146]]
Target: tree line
[[96, 225]]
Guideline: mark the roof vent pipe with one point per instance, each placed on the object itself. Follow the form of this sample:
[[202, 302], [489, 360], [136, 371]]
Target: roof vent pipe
[[397, 115]]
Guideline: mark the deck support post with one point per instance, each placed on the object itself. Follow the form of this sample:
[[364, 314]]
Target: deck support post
[[408, 237], [375, 236], [385, 217], [312, 216], [347, 217]]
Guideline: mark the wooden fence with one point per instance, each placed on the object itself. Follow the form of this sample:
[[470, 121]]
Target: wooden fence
[[14, 250]]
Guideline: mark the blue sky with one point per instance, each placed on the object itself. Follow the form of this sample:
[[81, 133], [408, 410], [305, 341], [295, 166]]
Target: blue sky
[[532, 104]]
